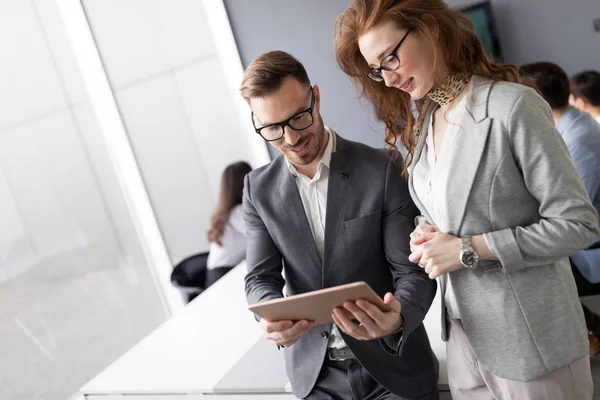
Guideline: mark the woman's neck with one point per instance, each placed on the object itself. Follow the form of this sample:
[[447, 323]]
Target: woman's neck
[[449, 107], [457, 97]]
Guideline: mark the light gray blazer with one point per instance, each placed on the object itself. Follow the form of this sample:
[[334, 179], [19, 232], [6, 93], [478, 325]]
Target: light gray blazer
[[514, 182]]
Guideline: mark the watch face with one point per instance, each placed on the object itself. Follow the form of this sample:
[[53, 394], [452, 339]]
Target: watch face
[[470, 258]]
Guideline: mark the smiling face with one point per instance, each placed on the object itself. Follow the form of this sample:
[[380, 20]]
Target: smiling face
[[415, 74], [302, 148]]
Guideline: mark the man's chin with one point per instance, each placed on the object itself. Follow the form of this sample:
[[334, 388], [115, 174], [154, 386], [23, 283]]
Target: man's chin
[[301, 160]]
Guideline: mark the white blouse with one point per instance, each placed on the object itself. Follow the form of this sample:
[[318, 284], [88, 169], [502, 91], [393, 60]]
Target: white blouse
[[430, 177], [233, 248]]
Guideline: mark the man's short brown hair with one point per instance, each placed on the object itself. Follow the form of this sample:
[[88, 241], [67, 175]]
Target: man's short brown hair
[[266, 74], [586, 84], [551, 80]]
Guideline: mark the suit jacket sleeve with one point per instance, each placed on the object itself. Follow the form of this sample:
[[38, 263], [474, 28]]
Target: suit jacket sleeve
[[413, 288], [568, 222], [263, 280]]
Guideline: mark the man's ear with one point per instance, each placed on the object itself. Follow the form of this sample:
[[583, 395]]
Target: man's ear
[[317, 93]]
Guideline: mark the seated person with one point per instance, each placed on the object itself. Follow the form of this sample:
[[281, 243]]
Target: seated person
[[227, 233], [582, 137], [585, 92]]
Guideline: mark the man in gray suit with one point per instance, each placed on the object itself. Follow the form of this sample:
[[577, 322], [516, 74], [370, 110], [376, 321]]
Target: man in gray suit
[[581, 134], [329, 212]]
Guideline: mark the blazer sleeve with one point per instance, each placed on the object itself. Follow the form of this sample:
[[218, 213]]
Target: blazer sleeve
[[413, 288], [567, 220], [263, 259]]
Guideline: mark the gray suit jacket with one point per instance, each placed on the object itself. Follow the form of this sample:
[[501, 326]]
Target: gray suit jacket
[[516, 184], [368, 222]]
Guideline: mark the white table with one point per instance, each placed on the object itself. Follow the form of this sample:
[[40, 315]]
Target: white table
[[201, 352]]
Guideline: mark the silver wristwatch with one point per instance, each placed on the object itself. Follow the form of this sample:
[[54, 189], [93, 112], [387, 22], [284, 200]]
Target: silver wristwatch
[[468, 257]]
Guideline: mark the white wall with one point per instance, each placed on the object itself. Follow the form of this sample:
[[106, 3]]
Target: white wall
[[547, 30], [75, 289], [178, 109], [75, 286], [529, 30]]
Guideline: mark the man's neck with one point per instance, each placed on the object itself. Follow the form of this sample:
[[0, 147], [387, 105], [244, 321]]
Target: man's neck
[[558, 113], [595, 112], [309, 170]]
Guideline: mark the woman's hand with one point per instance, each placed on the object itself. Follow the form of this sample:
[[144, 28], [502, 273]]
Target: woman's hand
[[417, 236], [438, 253]]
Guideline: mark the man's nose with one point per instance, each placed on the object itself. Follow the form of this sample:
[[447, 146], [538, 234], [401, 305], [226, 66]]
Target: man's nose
[[291, 136]]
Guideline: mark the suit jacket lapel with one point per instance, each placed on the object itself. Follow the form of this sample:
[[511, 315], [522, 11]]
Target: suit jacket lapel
[[340, 180], [290, 198]]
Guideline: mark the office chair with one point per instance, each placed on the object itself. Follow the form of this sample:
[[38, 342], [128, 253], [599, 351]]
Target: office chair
[[189, 275]]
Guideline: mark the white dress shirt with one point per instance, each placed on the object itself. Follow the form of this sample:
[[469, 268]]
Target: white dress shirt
[[232, 250], [313, 193], [430, 178]]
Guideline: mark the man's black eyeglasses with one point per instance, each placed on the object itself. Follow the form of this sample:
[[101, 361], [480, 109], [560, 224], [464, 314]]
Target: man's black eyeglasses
[[297, 122]]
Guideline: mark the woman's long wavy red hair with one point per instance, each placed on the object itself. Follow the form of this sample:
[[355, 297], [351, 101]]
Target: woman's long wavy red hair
[[455, 43]]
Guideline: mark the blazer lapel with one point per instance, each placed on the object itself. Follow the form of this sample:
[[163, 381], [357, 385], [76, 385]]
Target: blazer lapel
[[469, 148], [290, 198], [340, 180]]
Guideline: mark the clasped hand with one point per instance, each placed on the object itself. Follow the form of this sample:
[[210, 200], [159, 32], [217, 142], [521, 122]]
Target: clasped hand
[[436, 252]]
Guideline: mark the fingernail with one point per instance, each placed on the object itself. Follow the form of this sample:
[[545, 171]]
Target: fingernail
[[304, 324]]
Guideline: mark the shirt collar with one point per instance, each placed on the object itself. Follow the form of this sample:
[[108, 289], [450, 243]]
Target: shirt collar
[[565, 121], [325, 159]]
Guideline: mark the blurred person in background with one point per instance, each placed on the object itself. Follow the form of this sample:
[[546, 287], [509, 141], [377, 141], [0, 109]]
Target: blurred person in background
[[227, 233], [582, 137], [585, 92]]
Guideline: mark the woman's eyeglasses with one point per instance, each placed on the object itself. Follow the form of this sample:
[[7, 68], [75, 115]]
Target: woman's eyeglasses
[[390, 63]]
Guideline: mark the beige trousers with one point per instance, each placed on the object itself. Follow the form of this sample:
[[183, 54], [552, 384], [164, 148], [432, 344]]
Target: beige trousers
[[470, 381]]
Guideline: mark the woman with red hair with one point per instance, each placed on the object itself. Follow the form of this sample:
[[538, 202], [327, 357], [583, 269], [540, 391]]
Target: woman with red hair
[[502, 205]]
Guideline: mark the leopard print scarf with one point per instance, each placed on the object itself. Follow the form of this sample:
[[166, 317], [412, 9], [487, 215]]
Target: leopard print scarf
[[442, 95]]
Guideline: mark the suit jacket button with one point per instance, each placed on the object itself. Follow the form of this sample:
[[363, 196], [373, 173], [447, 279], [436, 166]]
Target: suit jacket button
[[325, 335]]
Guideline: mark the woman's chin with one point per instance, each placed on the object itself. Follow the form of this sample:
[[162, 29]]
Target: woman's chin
[[416, 95]]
